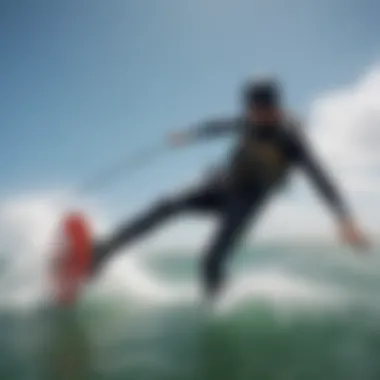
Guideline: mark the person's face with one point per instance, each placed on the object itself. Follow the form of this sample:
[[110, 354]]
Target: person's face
[[263, 114]]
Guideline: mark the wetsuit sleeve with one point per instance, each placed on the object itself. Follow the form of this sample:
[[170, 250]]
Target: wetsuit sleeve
[[215, 128], [319, 176]]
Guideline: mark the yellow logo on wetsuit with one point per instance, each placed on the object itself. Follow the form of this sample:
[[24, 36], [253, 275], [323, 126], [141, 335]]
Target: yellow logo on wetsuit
[[267, 159]]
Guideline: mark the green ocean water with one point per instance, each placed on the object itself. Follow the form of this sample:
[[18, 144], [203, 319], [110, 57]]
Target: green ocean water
[[300, 313]]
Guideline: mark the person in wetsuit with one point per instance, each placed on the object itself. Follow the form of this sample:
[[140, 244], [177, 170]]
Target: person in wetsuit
[[269, 145]]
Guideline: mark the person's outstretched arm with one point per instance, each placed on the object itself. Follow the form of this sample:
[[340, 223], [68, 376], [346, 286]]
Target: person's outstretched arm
[[349, 229], [205, 130]]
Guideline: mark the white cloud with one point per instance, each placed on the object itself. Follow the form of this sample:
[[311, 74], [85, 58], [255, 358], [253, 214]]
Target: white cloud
[[346, 127]]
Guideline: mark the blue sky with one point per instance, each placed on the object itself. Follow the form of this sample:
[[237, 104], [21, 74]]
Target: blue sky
[[86, 82]]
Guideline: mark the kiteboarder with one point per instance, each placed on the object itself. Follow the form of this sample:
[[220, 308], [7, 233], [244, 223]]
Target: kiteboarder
[[269, 143]]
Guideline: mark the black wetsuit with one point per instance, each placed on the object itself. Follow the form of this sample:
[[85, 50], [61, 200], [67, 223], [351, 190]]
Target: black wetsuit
[[258, 166]]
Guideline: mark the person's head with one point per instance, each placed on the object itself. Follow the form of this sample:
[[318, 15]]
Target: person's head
[[262, 100]]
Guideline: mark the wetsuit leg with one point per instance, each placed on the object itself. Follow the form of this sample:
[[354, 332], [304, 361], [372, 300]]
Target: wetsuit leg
[[238, 211], [206, 198]]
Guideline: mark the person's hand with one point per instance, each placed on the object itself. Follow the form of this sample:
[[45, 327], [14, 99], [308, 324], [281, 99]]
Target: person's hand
[[351, 234], [177, 139]]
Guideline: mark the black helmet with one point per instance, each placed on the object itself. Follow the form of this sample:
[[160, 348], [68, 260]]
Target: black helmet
[[262, 91]]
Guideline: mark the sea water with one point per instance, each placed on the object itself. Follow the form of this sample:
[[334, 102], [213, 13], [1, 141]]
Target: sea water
[[289, 311]]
